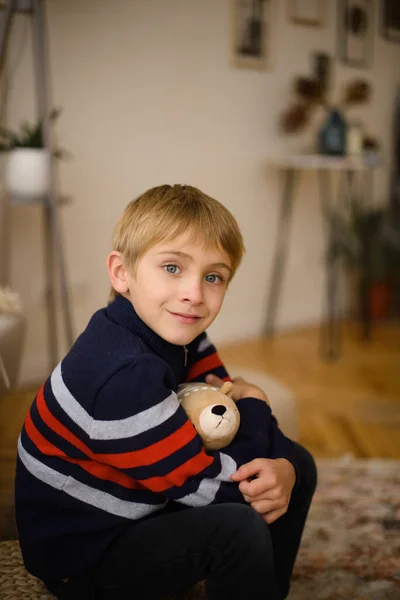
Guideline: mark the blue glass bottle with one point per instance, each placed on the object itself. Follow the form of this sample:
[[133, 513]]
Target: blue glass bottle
[[332, 136]]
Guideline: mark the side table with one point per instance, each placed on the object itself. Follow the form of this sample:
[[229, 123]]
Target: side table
[[352, 171]]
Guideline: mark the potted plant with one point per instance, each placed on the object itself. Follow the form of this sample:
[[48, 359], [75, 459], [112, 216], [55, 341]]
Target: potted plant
[[367, 241], [27, 172]]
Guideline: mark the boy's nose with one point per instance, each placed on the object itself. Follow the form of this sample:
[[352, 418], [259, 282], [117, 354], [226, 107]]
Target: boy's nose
[[192, 292]]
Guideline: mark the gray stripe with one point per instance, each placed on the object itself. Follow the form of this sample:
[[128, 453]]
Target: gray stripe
[[83, 492], [116, 429], [203, 345], [208, 488]]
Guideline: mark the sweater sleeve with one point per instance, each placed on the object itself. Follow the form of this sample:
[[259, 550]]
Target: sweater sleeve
[[203, 360], [153, 442]]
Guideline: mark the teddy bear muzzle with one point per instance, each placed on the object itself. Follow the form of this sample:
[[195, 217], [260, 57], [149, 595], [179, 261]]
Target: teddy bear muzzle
[[217, 421]]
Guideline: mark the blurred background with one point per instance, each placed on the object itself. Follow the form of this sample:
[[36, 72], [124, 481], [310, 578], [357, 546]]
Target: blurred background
[[288, 112]]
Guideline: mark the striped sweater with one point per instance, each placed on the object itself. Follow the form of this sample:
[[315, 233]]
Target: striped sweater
[[106, 442]]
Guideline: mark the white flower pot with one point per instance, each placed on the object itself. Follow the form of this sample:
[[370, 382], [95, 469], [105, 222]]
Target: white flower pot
[[27, 175]]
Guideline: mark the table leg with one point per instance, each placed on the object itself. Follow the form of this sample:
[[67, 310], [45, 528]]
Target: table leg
[[366, 283], [360, 186], [281, 248], [50, 289], [330, 332]]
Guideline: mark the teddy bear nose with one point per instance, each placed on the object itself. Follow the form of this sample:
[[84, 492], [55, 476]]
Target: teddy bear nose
[[220, 409]]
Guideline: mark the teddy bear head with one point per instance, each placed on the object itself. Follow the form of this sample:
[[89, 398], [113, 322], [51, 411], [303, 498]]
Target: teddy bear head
[[213, 413]]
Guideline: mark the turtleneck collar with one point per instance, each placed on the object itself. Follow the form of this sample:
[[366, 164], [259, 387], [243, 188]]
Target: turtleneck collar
[[122, 312]]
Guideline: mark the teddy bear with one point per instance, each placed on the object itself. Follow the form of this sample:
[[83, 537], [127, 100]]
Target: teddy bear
[[213, 413]]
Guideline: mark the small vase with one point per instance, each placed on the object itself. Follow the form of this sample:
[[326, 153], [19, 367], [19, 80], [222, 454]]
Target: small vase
[[27, 174], [332, 136], [354, 139]]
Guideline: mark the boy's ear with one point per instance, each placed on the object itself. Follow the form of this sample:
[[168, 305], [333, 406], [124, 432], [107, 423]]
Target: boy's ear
[[117, 272]]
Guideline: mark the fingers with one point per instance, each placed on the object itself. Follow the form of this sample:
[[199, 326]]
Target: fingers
[[271, 495], [225, 387], [266, 477], [239, 380], [214, 380], [267, 506], [272, 516], [248, 470], [261, 486]]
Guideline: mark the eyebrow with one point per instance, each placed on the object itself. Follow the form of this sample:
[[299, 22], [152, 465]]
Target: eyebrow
[[184, 255]]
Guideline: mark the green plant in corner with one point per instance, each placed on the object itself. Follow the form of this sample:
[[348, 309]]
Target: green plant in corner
[[367, 241], [365, 231], [29, 136]]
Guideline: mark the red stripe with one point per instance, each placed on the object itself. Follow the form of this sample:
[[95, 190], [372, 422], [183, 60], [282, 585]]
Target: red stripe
[[181, 474], [156, 484], [56, 426], [209, 363], [45, 447], [94, 468], [154, 453], [126, 460], [109, 474]]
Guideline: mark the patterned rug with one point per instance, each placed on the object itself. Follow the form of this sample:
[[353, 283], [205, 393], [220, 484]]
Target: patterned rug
[[351, 544]]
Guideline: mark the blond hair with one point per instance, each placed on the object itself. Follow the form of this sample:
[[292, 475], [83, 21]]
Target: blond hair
[[164, 213]]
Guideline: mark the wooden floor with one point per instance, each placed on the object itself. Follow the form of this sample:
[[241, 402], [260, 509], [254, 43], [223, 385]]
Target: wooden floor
[[349, 406]]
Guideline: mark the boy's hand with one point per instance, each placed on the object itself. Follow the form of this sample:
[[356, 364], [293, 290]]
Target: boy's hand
[[241, 388], [269, 493]]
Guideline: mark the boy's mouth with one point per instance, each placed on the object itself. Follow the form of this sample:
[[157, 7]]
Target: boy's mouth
[[185, 318]]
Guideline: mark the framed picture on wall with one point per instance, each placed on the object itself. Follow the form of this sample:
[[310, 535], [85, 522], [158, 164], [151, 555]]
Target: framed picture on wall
[[355, 32], [252, 33], [390, 20], [307, 12]]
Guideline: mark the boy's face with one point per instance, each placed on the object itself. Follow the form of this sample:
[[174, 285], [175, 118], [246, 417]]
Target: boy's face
[[178, 288]]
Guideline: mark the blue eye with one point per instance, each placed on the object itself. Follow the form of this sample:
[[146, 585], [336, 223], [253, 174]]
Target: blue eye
[[214, 278], [173, 269]]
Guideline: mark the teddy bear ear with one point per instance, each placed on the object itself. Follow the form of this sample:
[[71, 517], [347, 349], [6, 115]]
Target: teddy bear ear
[[226, 387]]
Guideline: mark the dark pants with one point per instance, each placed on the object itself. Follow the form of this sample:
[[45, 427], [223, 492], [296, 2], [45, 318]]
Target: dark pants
[[228, 545]]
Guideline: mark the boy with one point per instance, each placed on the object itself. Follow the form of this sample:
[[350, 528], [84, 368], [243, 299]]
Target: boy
[[116, 496]]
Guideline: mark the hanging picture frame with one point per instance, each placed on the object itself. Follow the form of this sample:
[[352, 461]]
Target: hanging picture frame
[[390, 20], [252, 27], [307, 12], [355, 32]]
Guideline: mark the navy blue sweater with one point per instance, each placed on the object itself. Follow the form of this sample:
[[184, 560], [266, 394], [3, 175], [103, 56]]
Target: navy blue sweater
[[106, 442]]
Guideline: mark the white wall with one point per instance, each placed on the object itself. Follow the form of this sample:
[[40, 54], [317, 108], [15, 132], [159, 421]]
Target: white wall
[[149, 97]]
